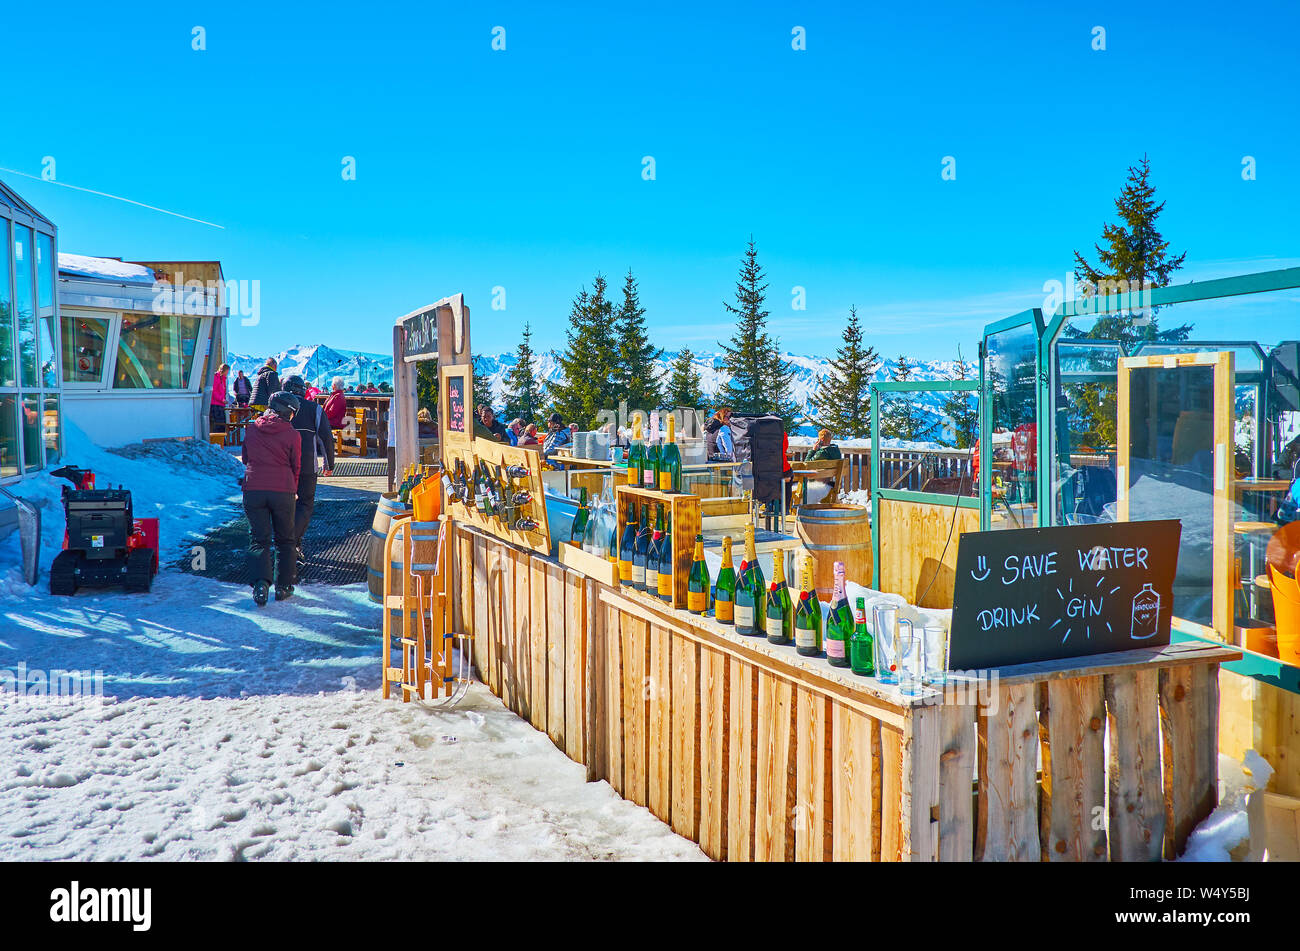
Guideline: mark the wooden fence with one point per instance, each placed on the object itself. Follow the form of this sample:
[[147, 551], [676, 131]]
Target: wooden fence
[[759, 754], [918, 470]]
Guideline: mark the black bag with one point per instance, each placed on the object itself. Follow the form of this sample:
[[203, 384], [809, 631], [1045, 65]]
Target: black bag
[[758, 442]]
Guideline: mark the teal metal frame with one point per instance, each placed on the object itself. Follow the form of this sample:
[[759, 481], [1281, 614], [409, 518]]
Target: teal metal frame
[[1033, 318], [907, 495]]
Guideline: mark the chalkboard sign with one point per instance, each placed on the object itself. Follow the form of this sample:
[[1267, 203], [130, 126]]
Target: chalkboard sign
[[420, 336], [456, 421], [1037, 594]]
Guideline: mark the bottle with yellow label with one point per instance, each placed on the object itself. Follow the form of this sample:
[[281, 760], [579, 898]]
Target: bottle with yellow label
[[697, 586], [724, 592], [670, 460]]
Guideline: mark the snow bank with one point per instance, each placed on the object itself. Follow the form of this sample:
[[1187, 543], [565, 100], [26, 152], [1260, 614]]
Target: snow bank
[[1225, 832], [190, 486], [105, 269]]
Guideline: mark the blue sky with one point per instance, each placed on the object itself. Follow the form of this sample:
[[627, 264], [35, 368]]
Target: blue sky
[[522, 168]]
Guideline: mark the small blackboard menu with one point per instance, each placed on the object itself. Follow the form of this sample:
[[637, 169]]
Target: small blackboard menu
[[456, 421], [1037, 594], [420, 336]]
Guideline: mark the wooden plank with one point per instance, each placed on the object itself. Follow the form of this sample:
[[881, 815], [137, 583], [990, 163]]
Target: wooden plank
[[1136, 829], [813, 798], [1008, 801], [590, 619], [919, 802], [614, 697], [660, 690], [539, 623], [916, 540], [685, 742], [1171, 655], [635, 707], [557, 669], [774, 795], [957, 746], [521, 635], [482, 627], [1189, 703], [1072, 731], [742, 760], [463, 619], [855, 785], [891, 795], [714, 704]]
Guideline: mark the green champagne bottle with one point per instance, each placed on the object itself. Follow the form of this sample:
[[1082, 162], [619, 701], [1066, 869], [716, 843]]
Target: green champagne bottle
[[862, 657], [780, 609], [839, 623], [664, 581], [724, 593], [744, 612], [756, 586], [636, 455], [650, 474], [670, 461], [579, 529], [640, 549], [626, 549], [655, 552], [697, 586], [808, 615]]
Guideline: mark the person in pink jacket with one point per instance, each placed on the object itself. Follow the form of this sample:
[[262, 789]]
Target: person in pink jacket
[[272, 462], [336, 407], [217, 412]]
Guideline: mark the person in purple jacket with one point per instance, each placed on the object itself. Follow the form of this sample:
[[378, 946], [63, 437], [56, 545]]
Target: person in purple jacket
[[272, 462]]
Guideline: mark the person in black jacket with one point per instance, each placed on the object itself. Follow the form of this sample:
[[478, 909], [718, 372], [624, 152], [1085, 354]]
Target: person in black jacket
[[317, 436], [267, 382]]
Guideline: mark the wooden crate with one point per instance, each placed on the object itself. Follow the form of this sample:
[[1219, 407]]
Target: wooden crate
[[593, 566], [685, 513]]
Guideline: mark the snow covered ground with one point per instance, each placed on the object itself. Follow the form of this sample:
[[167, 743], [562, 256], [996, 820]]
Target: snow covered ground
[[230, 732]]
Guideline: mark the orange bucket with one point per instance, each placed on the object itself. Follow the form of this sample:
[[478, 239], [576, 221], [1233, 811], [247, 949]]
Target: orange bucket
[[427, 500], [1286, 608]]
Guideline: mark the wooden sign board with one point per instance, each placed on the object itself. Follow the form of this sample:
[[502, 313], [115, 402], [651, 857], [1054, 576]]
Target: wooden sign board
[[456, 406], [1037, 594], [420, 336], [503, 455]]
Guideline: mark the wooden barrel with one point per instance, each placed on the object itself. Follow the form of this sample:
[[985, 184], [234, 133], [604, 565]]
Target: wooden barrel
[[832, 533], [389, 508]]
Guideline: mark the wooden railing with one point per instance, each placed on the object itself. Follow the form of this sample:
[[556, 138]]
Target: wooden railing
[[918, 470]]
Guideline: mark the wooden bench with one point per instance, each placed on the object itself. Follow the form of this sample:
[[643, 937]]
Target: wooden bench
[[828, 470]]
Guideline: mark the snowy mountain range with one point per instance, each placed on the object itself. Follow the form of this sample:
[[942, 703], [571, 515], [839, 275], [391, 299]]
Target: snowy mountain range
[[319, 364]]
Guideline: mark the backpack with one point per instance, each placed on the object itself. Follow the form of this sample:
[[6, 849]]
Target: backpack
[[758, 450]]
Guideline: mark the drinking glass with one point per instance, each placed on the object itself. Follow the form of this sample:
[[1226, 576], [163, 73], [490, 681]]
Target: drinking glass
[[936, 655]]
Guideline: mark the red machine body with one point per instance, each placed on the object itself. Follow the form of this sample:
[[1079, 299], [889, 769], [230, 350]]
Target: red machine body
[[103, 544]]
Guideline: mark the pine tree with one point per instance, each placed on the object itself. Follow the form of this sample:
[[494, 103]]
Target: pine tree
[[426, 385], [635, 374], [748, 357], [684, 387], [780, 384], [900, 418], [588, 361], [844, 396], [1135, 257], [482, 385], [962, 408], [525, 392]]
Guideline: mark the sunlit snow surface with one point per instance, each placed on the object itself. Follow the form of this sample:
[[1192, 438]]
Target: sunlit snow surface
[[232, 732]]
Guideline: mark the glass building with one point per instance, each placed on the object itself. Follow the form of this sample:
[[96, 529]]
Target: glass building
[[30, 388]]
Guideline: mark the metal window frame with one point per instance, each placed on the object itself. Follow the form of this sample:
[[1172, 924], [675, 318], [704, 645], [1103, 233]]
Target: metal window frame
[[1026, 318]]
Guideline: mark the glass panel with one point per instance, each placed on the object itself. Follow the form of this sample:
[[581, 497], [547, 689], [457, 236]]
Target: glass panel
[[155, 351], [45, 274], [1245, 358], [84, 341], [49, 371], [25, 304], [1245, 429], [1171, 472], [53, 426], [8, 436], [33, 440], [1083, 467], [1012, 370], [7, 366]]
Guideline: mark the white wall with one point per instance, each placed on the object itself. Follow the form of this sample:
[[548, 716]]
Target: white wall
[[116, 419]]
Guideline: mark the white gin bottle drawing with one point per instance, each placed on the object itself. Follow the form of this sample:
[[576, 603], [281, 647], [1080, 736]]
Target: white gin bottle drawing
[[1146, 613]]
